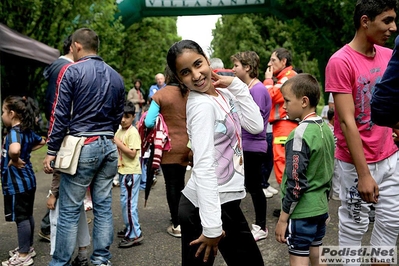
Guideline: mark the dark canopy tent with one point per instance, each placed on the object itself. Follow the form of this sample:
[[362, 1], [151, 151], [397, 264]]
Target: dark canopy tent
[[22, 61], [12, 42], [20, 58]]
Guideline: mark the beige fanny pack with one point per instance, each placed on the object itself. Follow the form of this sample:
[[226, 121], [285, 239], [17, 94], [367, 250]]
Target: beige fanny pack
[[68, 156]]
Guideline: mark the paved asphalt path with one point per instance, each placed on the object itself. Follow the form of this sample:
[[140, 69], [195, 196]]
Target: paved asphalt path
[[158, 247]]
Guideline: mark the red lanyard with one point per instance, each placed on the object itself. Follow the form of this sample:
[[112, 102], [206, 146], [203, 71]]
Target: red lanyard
[[231, 118], [139, 94], [308, 115]]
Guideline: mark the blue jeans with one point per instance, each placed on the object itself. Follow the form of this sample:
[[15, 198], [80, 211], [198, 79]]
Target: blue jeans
[[143, 180], [97, 167], [130, 185]]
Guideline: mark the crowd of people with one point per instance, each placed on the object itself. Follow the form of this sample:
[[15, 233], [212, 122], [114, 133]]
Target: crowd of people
[[231, 130]]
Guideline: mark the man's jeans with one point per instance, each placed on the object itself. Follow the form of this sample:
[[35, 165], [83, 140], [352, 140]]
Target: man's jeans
[[97, 167]]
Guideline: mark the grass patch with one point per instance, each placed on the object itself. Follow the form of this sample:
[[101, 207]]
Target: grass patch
[[37, 158]]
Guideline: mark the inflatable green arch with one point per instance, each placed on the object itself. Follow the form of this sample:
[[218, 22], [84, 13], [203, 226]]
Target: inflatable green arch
[[134, 10]]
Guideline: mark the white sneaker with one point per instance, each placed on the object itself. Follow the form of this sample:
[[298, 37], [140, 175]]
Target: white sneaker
[[268, 194], [174, 231], [32, 252], [17, 260], [335, 196], [272, 190], [258, 233]]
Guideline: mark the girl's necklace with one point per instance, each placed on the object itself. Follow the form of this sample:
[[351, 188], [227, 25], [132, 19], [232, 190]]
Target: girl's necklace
[[249, 85], [232, 119], [308, 115]]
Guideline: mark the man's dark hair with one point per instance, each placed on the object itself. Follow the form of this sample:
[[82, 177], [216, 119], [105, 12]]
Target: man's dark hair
[[282, 53], [67, 45], [129, 108], [87, 38], [371, 8]]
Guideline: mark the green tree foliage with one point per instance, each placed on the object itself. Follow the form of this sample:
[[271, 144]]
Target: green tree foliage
[[330, 22], [259, 33], [312, 30], [322, 27], [51, 22], [145, 47], [325, 26], [263, 33], [136, 52]]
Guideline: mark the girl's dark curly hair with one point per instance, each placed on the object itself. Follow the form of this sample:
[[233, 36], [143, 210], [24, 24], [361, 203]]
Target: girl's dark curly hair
[[24, 108]]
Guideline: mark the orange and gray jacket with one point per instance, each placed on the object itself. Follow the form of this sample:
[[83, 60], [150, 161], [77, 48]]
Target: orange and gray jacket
[[277, 112]]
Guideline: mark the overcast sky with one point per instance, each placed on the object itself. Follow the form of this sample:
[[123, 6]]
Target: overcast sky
[[198, 29]]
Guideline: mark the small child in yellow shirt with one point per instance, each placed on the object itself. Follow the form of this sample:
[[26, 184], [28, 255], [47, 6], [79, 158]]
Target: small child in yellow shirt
[[128, 142]]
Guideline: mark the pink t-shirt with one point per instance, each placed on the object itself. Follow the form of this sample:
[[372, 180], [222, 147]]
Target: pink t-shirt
[[349, 71]]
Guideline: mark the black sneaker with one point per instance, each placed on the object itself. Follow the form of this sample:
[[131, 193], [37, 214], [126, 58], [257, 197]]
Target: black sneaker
[[79, 262], [43, 236], [130, 242], [122, 233]]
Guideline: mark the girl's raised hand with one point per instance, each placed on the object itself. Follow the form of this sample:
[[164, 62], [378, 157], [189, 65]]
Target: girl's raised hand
[[221, 81]]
